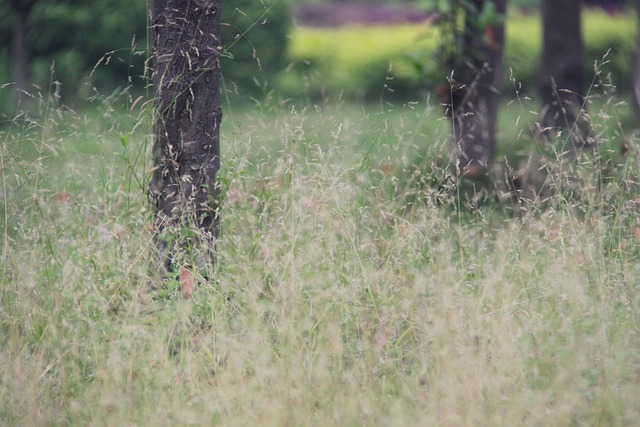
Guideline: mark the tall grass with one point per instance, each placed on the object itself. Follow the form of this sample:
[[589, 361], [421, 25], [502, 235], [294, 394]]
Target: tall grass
[[354, 285]]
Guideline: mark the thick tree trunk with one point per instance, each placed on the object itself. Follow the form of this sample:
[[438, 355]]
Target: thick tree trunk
[[183, 188], [476, 93], [563, 80]]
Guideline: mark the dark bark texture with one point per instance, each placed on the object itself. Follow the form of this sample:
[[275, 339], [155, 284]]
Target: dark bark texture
[[563, 79], [183, 188], [476, 93]]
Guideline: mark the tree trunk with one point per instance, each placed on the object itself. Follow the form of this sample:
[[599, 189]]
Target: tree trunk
[[183, 187], [563, 79], [635, 82], [20, 56], [476, 93]]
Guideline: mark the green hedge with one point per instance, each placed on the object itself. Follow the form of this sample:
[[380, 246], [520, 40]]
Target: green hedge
[[359, 61]]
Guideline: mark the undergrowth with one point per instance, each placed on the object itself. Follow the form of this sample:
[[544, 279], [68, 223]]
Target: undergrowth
[[355, 282]]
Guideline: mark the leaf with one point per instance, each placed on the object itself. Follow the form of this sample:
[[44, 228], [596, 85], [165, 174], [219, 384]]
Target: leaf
[[62, 198], [187, 282], [381, 337]]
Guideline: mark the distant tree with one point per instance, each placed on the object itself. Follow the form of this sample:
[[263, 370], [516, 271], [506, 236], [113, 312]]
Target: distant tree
[[183, 190], [635, 82], [474, 54], [20, 49], [563, 78]]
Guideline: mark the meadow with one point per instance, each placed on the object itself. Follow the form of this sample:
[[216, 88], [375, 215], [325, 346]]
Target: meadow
[[355, 284]]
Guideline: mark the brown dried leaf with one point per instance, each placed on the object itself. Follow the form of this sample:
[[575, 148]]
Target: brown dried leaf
[[187, 282]]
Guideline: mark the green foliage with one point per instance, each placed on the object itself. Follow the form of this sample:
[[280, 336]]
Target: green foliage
[[358, 61], [82, 45], [467, 33], [523, 53], [354, 60], [602, 34], [614, 34], [103, 44], [254, 35]]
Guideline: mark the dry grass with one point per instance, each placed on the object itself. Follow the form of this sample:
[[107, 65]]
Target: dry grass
[[348, 290]]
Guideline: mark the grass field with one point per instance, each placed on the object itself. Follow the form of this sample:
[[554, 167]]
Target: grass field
[[353, 285]]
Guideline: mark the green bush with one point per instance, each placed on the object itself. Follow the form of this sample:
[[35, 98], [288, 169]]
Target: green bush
[[68, 39], [93, 42], [254, 34], [359, 61]]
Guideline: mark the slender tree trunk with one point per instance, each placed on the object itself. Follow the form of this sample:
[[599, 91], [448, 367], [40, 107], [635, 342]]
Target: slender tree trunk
[[183, 188], [635, 82], [476, 93], [563, 80], [20, 56]]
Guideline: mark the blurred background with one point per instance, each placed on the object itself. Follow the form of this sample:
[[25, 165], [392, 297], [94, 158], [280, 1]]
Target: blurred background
[[74, 52]]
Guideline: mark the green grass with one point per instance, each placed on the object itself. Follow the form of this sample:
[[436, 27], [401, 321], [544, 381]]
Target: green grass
[[353, 287]]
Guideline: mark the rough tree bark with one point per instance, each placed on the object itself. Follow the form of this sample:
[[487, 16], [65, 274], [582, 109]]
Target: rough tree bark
[[476, 92], [183, 187], [563, 79]]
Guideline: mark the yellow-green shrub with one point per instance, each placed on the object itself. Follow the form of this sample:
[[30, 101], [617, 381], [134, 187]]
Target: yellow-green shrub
[[355, 60]]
